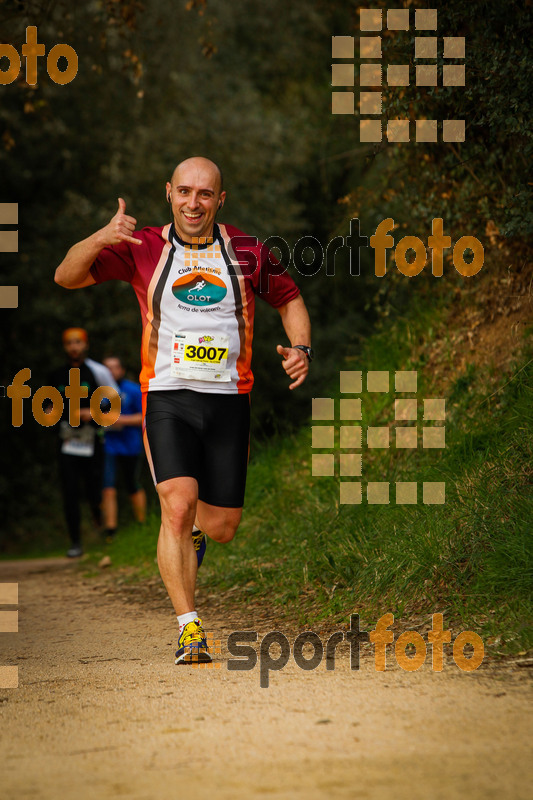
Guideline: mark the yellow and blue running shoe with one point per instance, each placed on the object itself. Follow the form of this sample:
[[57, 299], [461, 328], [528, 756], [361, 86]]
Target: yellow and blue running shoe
[[192, 645], [199, 541]]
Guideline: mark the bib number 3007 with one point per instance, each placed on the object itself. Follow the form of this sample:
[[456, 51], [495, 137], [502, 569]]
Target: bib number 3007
[[213, 355], [200, 357]]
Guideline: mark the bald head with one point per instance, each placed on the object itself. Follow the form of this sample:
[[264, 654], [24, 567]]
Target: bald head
[[195, 194], [202, 166]]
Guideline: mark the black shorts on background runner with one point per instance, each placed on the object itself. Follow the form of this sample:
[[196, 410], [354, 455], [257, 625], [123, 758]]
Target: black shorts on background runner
[[203, 436]]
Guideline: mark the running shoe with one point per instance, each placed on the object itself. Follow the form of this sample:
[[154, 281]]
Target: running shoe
[[75, 551], [199, 541], [109, 535], [192, 645]]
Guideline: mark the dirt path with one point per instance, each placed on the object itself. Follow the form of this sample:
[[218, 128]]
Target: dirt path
[[102, 712]]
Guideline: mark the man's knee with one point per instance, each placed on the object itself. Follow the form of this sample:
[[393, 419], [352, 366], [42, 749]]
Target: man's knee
[[178, 514], [223, 533], [223, 526], [178, 507]]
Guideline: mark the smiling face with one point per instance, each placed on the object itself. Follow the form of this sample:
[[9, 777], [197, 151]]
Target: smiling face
[[195, 195]]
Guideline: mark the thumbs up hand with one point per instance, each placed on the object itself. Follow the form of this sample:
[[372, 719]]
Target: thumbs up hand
[[295, 363], [120, 227]]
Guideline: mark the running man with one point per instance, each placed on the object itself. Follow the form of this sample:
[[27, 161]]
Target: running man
[[196, 282], [79, 448], [122, 449]]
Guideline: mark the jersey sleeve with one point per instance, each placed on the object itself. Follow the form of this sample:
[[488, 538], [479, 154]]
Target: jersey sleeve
[[114, 263], [268, 276], [272, 283]]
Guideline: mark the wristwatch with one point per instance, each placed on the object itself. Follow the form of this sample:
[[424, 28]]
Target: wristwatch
[[307, 350]]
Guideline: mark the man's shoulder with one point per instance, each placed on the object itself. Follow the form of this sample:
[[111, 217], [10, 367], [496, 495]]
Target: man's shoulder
[[151, 231], [60, 376], [232, 232], [155, 236], [151, 235], [121, 261], [247, 247]]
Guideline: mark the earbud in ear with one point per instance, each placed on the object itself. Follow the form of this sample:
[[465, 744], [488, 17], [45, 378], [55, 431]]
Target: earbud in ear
[[168, 197]]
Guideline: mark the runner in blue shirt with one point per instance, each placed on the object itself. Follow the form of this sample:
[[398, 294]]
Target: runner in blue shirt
[[123, 447]]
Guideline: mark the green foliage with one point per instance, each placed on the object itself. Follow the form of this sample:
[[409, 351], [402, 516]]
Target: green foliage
[[470, 559], [249, 85], [486, 177]]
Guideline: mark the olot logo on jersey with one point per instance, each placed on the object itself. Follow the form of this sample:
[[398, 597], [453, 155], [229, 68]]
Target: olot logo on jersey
[[199, 289]]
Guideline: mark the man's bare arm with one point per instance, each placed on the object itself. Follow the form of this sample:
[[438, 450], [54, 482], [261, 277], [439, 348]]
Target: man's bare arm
[[297, 326], [73, 272]]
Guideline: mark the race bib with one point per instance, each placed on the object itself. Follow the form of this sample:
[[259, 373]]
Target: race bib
[[77, 441], [199, 357]]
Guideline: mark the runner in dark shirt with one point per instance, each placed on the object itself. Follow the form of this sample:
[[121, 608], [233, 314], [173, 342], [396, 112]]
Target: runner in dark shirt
[[80, 447]]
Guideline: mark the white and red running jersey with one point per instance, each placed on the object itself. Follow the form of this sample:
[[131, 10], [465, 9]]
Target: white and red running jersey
[[197, 304]]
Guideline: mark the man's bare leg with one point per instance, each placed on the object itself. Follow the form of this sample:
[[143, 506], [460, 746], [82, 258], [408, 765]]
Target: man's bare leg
[[175, 551], [219, 523], [109, 507], [138, 504]]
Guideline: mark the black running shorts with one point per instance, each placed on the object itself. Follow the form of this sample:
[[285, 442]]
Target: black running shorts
[[202, 436]]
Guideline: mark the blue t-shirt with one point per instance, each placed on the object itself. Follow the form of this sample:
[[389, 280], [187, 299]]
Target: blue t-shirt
[[128, 441]]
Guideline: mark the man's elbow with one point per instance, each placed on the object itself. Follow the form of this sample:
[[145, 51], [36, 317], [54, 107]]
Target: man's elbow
[[63, 280], [58, 278]]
